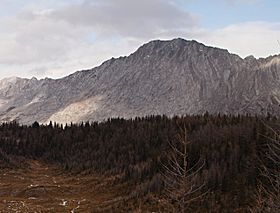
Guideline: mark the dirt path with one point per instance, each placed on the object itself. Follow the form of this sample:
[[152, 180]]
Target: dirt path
[[44, 188]]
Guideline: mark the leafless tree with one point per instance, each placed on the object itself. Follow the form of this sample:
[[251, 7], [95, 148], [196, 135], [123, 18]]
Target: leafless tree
[[268, 194], [182, 182]]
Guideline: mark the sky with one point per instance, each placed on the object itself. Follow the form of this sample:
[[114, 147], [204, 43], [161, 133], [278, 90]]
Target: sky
[[54, 38]]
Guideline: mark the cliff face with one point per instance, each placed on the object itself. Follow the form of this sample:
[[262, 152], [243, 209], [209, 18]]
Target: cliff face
[[162, 77]]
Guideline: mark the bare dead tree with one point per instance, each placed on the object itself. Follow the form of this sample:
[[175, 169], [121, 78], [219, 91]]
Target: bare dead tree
[[181, 179], [259, 204], [268, 194]]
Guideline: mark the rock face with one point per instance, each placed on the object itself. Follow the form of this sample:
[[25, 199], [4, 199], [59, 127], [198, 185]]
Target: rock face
[[162, 77]]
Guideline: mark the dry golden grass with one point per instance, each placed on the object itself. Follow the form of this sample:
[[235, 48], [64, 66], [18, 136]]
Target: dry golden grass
[[45, 188]]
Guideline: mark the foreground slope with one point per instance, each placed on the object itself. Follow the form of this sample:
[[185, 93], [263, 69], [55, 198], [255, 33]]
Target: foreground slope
[[119, 164], [162, 77], [45, 188]]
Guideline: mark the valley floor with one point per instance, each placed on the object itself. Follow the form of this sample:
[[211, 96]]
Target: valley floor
[[44, 188]]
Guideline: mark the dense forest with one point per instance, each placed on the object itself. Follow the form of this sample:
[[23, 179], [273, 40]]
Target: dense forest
[[233, 149]]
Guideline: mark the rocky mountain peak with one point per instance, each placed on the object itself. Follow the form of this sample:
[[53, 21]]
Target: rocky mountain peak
[[172, 77], [168, 45]]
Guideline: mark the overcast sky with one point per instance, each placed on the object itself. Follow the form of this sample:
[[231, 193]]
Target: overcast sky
[[53, 38]]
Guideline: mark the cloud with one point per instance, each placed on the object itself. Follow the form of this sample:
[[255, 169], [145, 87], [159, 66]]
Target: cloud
[[56, 41], [50, 40], [250, 38], [128, 18]]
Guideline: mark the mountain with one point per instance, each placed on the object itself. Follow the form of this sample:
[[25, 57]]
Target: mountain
[[162, 77]]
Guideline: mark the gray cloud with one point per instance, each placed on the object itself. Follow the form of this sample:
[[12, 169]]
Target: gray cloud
[[128, 18], [57, 41]]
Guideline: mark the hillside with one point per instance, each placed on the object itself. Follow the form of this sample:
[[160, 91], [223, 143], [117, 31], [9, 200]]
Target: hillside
[[162, 77], [117, 166]]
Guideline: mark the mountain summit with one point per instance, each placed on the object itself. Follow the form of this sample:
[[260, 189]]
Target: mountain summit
[[162, 77]]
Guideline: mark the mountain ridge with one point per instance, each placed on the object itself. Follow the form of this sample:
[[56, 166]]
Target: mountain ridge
[[171, 77]]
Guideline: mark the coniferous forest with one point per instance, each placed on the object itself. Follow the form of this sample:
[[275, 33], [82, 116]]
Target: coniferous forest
[[233, 150]]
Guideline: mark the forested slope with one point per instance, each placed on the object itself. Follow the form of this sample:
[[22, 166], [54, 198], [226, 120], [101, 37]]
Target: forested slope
[[136, 149]]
